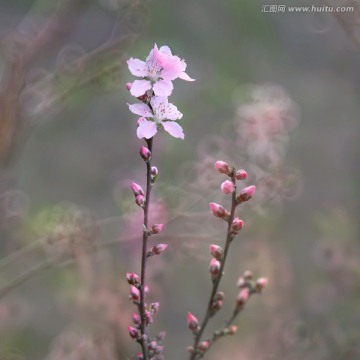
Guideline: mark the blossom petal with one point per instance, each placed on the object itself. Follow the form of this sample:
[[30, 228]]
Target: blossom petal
[[139, 87], [172, 113], [166, 50], [155, 61], [137, 67], [185, 76], [140, 109], [174, 129], [163, 88], [146, 129], [172, 68]]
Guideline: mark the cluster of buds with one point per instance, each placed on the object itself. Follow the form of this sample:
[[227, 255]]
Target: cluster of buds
[[139, 194], [248, 286], [217, 303]]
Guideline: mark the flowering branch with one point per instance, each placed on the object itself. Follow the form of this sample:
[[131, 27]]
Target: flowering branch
[[217, 264], [156, 113]]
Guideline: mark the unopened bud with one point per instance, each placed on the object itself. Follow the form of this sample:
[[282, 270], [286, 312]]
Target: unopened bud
[[261, 284], [134, 293], [214, 267], [237, 225], [219, 211], [133, 279], [227, 187], [216, 251], [246, 194], [140, 201], [133, 332], [161, 336], [128, 85], [154, 171], [190, 349], [159, 248], [222, 167], [203, 346], [148, 317], [240, 174], [232, 329], [139, 356], [137, 189], [241, 283], [192, 321], [145, 153], [157, 228], [136, 319], [219, 295], [154, 307], [242, 297], [248, 275]]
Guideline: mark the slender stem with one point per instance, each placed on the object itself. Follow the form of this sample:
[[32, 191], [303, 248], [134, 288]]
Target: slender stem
[[216, 283], [144, 255]]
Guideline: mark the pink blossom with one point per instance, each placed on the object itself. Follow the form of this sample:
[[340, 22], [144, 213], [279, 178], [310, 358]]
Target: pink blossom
[[204, 345], [157, 72], [133, 332], [219, 211], [216, 251], [237, 225], [246, 194], [159, 248], [145, 153], [192, 321], [214, 266], [133, 279], [162, 114], [261, 283], [134, 293], [157, 228], [240, 174], [222, 167], [140, 201], [137, 189], [242, 297], [227, 187]]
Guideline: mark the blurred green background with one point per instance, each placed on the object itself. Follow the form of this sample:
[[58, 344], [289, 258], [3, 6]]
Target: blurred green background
[[74, 152]]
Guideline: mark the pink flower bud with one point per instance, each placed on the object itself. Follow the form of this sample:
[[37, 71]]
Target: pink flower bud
[[241, 283], [146, 289], [216, 251], [261, 284], [214, 267], [157, 228], [222, 167], [246, 194], [134, 293], [159, 248], [136, 318], [219, 211], [192, 321], [232, 329], [242, 297], [161, 336], [140, 201], [139, 356], [148, 317], [237, 225], [190, 349], [227, 187], [154, 307], [128, 85], [248, 275], [145, 153], [137, 189], [240, 174], [154, 171], [203, 346], [133, 332], [219, 295], [133, 279]]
